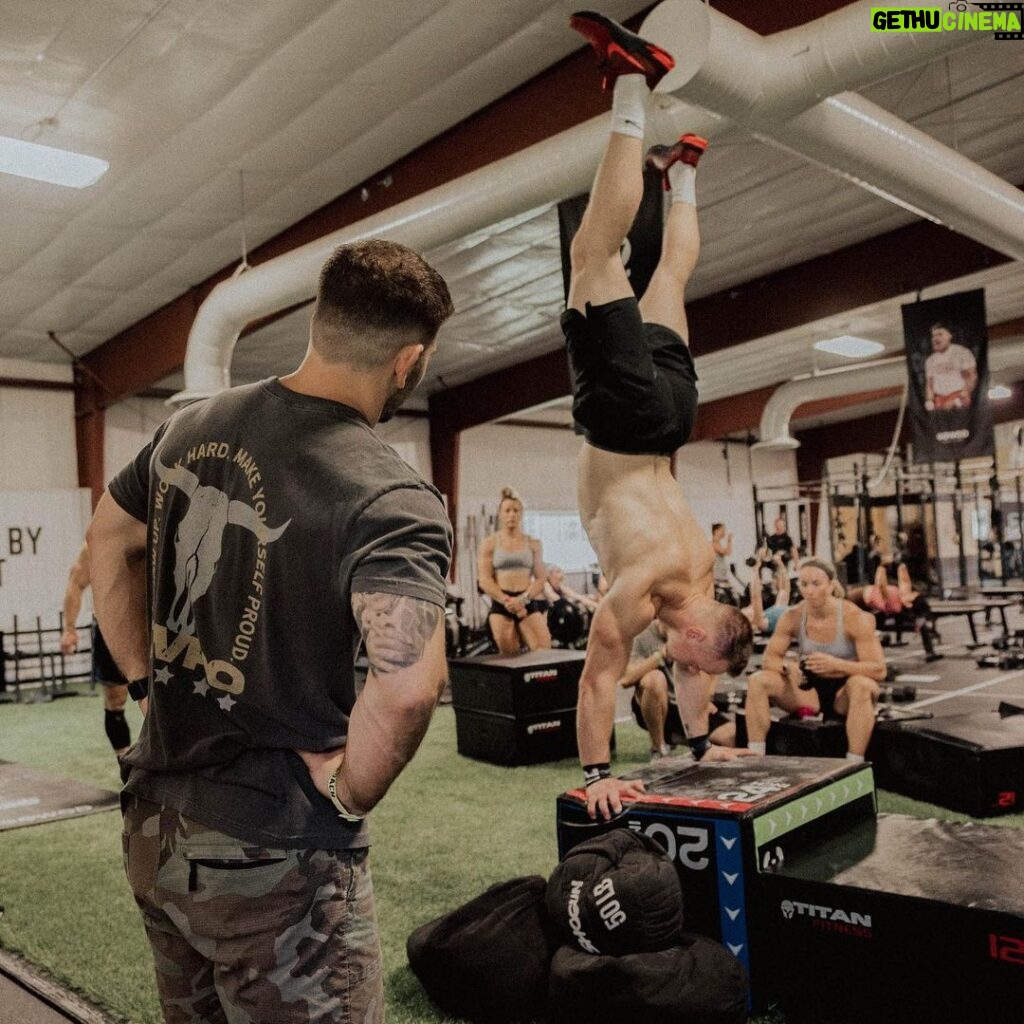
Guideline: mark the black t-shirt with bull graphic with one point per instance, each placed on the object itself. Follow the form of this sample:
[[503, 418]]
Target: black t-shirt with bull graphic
[[266, 510]]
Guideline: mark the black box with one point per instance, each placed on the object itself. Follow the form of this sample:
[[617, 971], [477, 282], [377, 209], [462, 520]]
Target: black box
[[972, 763], [518, 685], [798, 737], [899, 920], [526, 739], [724, 822]]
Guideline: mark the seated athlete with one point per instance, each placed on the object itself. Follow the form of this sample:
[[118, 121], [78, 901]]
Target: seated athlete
[[882, 598], [634, 400], [654, 701], [764, 620], [556, 589], [841, 663]]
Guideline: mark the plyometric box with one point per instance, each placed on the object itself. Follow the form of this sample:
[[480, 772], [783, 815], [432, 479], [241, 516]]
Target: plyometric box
[[725, 823], [519, 709], [900, 920], [972, 763]]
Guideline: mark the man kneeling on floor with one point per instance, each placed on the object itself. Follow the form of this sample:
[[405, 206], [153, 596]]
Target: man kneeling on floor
[[841, 663], [654, 702]]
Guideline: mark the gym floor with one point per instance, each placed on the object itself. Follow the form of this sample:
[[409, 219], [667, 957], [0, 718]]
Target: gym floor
[[449, 828]]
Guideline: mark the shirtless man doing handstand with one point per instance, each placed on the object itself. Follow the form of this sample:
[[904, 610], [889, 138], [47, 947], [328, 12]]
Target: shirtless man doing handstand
[[635, 399]]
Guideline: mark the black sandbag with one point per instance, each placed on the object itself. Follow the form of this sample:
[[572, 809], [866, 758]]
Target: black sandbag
[[488, 960], [616, 893], [697, 981]]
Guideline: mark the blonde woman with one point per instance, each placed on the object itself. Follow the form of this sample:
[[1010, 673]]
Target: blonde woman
[[510, 571]]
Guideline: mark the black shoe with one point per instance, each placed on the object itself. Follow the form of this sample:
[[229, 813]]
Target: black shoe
[[621, 52]]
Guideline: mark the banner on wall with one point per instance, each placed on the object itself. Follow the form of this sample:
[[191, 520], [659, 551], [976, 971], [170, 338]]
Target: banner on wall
[[946, 342], [642, 248], [40, 535]]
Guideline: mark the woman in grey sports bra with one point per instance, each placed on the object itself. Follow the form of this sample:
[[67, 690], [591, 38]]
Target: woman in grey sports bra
[[510, 570], [841, 663]]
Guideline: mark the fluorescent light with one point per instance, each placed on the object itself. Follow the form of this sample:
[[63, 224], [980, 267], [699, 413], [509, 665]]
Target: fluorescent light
[[45, 163], [847, 345], [999, 391]]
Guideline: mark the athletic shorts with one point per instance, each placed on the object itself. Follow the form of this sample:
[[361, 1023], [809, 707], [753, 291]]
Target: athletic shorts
[[104, 668], [531, 607], [634, 384], [674, 731], [826, 689]]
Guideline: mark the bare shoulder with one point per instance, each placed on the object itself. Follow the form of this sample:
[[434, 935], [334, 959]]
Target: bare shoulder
[[857, 621], [789, 622]]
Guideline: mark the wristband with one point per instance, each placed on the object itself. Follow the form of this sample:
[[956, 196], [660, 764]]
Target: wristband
[[138, 689], [699, 746], [595, 773], [343, 812]]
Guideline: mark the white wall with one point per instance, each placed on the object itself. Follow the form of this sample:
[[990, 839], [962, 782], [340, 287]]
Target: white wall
[[718, 481], [128, 427], [37, 430], [410, 437], [540, 463]]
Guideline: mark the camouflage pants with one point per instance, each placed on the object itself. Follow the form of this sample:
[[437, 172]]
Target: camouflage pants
[[245, 935]]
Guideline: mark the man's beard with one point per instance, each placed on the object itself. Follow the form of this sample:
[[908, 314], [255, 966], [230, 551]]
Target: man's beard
[[396, 399]]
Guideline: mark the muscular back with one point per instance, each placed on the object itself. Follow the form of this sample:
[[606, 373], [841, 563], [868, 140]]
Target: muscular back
[[637, 520]]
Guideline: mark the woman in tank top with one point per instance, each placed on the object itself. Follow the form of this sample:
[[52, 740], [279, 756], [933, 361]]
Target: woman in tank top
[[510, 570], [840, 666]]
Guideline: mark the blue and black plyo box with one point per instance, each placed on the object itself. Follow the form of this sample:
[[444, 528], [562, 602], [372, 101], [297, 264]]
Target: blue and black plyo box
[[723, 824]]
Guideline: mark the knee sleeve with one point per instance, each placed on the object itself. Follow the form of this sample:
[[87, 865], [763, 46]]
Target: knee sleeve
[[118, 733]]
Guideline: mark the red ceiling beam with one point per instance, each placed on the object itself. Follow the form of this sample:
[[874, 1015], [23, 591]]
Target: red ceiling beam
[[553, 101], [503, 392], [904, 260]]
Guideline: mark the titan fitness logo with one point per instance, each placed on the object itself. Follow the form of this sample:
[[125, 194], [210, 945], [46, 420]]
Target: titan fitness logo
[[829, 919], [1004, 20]]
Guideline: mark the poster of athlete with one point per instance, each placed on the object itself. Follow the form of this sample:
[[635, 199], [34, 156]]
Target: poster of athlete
[[946, 342]]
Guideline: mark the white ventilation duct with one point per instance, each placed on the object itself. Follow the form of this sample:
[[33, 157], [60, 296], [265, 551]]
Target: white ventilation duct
[[885, 373], [738, 75]]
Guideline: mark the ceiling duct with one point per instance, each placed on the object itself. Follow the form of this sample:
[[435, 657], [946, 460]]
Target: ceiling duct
[[887, 373], [772, 86]]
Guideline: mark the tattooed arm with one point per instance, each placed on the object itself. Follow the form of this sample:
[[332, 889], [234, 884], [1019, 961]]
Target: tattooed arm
[[404, 640]]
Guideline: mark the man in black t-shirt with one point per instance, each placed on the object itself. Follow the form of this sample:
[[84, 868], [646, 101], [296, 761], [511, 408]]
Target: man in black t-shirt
[[275, 533]]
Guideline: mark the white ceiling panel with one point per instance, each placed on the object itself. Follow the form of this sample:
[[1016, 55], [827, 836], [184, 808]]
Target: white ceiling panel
[[309, 98]]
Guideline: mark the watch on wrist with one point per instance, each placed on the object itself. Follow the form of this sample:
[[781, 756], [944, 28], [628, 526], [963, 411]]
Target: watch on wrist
[[343, 811]]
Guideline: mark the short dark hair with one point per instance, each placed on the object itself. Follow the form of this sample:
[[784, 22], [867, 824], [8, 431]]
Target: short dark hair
[[734, 639], [374, 298], [716, 526]]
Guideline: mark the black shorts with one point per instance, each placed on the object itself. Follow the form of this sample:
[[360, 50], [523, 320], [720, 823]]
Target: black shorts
[[634, 384], [826, 689], [531, 607], [104, 668], [674, 731]]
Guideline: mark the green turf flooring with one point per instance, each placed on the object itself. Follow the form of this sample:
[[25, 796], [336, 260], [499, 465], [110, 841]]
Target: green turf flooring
[[449, 828]]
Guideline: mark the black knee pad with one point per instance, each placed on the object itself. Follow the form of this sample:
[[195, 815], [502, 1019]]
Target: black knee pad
[[118, 733]]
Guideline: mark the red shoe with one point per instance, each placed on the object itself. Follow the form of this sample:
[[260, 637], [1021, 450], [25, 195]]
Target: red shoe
[[621, 52], [687, 150]]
